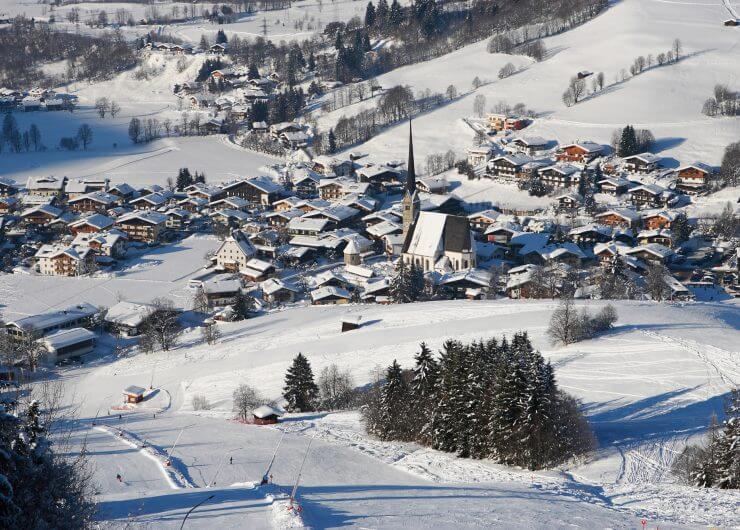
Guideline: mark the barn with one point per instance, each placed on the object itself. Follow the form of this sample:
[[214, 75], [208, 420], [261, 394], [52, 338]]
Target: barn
[[265, 415]]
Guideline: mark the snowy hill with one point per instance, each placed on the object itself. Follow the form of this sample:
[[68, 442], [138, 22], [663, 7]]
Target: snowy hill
[[648, 387]]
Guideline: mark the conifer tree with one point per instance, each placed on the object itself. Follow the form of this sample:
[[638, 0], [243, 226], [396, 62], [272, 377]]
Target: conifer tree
[[401, 287], [369, 15], [444, 419], [424, 391], [394, 406], [300, 390]]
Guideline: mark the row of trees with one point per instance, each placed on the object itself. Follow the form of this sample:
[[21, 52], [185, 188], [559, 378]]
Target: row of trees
[[18, 141], [84, 138], [630, 141], [487, 399], [568, 325], [105, 106]]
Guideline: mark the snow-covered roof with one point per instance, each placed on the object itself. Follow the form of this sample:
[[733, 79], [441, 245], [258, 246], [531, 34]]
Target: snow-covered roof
[[153, 218], [97, 220], [66, 337], [328, 292], [274, 285], [221, 286], [127, 313], [134, 390], [266, 411], [56, 318], [629, 215], [427, 239], [648, 158], [312, 225], [653, 248]]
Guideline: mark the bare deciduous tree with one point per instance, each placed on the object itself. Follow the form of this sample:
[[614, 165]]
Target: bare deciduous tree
[[246, 399]]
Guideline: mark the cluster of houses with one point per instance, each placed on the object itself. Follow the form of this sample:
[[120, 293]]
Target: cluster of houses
[[36, 99]]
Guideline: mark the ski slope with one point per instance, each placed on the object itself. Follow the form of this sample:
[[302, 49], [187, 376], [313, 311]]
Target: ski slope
[[647, 387]]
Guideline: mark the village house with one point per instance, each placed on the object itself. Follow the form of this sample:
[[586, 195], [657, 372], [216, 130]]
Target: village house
[[58, 260], [220, 292], [277, 291], [93, 202], [432, 185], [579, 152], [330, 295], [203, 191], [307, 226], [266, 243], [109, 244], [257, 190], [658, 220], [177, 218], [652, 253], [613, 185], [151, 201], [642, 163], [231, 203], [480, 221], [46, 186], [192, 204], [123, 191], [234, 253], [563, 176], [76, 187], [305, 183], [332, 189], [91, 224], [624, 218], [569, 201], [479, 156], [41, 215], [280, 219], [529, 144], [507, 167], [649, 195], [288, 203], [590, 234], [230, 218], [662, 236], [257, 270], [505, 122], [8, 187], [331, 167], [8, 205], [144, 227], [693, 178]]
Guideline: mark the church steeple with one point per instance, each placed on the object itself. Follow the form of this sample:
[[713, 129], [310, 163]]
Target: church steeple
[[410, 170], [411, 203]]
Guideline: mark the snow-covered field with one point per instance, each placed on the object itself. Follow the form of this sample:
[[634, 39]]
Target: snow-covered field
[[647, 387]]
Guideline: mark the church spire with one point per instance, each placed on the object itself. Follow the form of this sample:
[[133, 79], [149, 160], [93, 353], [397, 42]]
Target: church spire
[[410, 170]]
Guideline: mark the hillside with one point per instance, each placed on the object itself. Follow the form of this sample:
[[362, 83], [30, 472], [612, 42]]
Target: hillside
[[647, 387]]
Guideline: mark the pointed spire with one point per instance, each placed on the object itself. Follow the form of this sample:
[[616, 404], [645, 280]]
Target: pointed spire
[[410, 170]]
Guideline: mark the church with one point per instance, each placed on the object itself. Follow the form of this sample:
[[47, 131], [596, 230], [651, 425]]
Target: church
[[433, 241]]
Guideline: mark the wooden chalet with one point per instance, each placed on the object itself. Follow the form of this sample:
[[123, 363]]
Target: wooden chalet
[[507, 167], [579, 152], [91, 224], [144, 227], [693, 178], [622, 218], [563, 176], [659, 220], [642, 163], [94, 202], [258, 190]]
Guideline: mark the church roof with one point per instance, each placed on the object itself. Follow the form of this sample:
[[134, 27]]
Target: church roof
[[433, 233]]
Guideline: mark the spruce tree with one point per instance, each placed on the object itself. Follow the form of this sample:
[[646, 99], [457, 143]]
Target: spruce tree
[[424, 391], [394, 406], [332, 141], [444, 420], [401, 288], [369, 15], [300, 390]]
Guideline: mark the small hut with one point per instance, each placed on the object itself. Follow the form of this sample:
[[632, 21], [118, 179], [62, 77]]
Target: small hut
[[133, 394], [265, 415], [732, 22], [350, 322]]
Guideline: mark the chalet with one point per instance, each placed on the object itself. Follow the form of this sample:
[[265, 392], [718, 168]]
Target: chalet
[[41, 215], [376, 291], [502, 234], [564, 253], [8, 205], [151, 201], [76, 187], [151, 188], [563, 176], [529, 144], [659, 220], [91, 224], [280, 219], [67, 343], [359, 202], [58, 260], [93, 202], [338, 215], [203, 191], [330, 295], [642, 163], [693, 178], [432, 185], [307, 226], [124, 191], [45, 323], [289, 203], [193, 204], [217, 49], [472, 283], [606, 252], [579, 152], [623, 218], [177, 219], [46, 186], [436, 241], [295, 255], [590, 234], [265, 415], [266, 243], [380, 176], [479, 156], [257, 270], [276, 129], [649, 195], [294, 140], [258, 190], [109, 244], [523, 282], [234, 253], [144, 227], [220, 291], [379, 230], [507, 167], [613, 185], [482, 220], [200, 101], [662, 236], [331, 167], [230, 218], [8, 187], [331, 189], [275, 290], [213, 126], [305, 183], [569, 201], [652, 253]]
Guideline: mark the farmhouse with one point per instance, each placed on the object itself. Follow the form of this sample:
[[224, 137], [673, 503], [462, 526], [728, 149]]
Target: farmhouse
[[642, 163], [580, 152], [58, 260], [507, 167], [257, 190], [693, 178], [145, 227], [624, 218], [91, 224], [563, 176], [93, 202], [127, 318], [234, 253], [41, 215]]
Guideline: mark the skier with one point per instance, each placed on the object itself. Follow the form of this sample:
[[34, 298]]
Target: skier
[[118, 477], [231, 460]]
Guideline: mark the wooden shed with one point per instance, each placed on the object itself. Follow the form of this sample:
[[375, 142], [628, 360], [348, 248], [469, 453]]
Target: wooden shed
[[133, 394], [350, 322], [265, 415]]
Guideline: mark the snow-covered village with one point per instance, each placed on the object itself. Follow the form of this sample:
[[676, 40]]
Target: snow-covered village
[[433, 264]]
